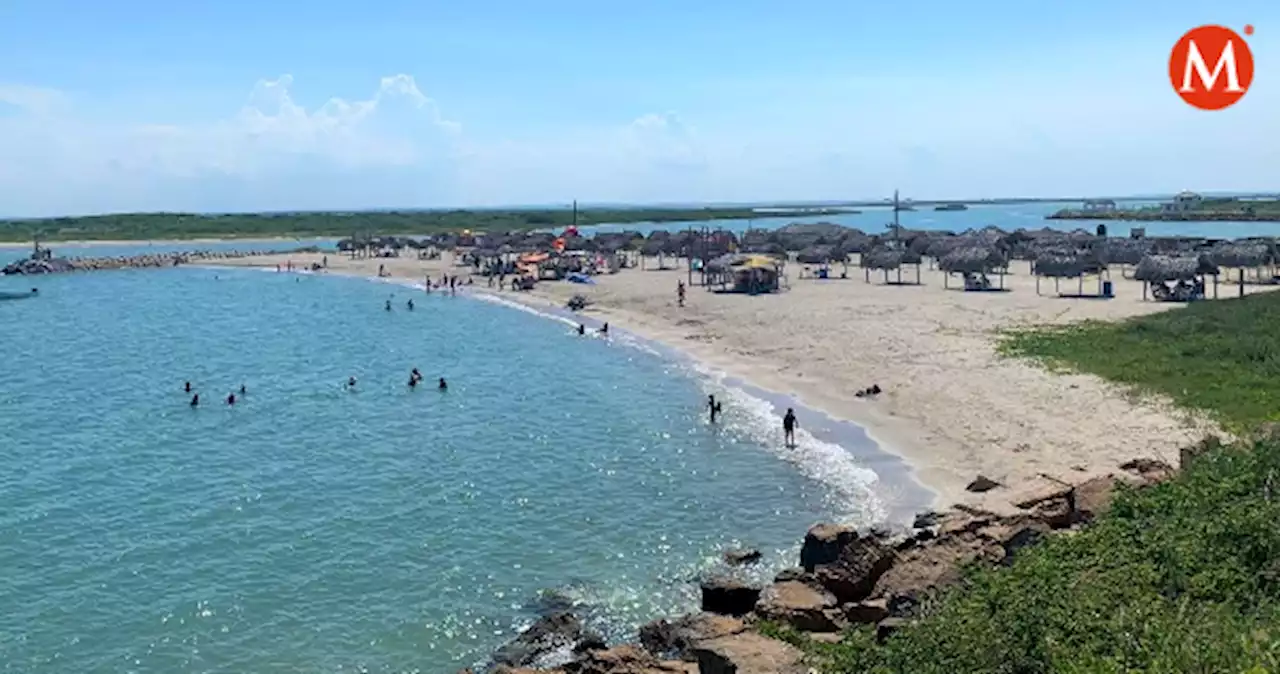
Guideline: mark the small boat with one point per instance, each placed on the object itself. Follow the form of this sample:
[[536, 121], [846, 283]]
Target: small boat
[[951, 207], [5, 295]]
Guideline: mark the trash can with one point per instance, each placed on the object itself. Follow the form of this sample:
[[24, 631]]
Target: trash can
[[1106, 289]]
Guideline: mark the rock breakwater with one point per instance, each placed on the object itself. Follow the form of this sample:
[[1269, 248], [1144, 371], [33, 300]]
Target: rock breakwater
[[47, 264]]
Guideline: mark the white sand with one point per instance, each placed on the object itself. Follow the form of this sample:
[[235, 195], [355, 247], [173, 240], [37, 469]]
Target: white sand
[[951, 407]]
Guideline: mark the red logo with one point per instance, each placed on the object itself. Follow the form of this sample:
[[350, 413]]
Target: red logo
[[1211, 67]]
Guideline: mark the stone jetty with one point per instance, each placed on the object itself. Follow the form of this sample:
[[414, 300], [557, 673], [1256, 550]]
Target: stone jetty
[[43, 262]]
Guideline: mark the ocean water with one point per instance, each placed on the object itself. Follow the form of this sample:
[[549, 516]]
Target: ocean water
[[315, 529]]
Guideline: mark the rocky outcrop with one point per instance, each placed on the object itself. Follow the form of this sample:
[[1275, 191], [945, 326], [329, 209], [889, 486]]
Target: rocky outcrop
[[742, 557], [549, 634], [847, 578], [728, 596], [45, 263]]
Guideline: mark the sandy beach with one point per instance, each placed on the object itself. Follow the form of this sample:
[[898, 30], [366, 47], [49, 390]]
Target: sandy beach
[[951, 407]]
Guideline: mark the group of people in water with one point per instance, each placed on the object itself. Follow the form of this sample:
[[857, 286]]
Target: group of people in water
[[195, 397], [604, 330], [789, 423]]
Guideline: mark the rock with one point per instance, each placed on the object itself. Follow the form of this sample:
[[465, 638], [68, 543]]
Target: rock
[[793, 573], [741, 557], [853, 575], [1150, 470], [558, 630], [675, 639], [1015, 536], [823, 543], [981, 484], [728, 596], [748, 653], [867, 612], [1094, 496], [926, 520], [625, 660], [1187, 455], [801, 606], [887, 627], [590, 641]]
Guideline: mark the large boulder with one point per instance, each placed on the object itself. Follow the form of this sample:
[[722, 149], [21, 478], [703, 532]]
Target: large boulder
[[626, 660], [557, 631], [728, 596], [675, 639], [801, 606], [823, 543], [748, 653], [853, 574]]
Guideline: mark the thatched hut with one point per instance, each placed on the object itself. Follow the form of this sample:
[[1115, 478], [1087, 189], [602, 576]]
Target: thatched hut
[[1257, 255], [750, 274], [974, 263], [1179, 278], [1076, 264], [887, 260]]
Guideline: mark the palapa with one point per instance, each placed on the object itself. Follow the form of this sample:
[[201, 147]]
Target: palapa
[[973, 259], [1167, 268]]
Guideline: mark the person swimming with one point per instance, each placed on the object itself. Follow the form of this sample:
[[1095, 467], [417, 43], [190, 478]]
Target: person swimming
[[242, 389], [415, 374], [187, 387], [388, 305], [410, 304], [195, 400], [443, 386], [351, 383], [231, 399]]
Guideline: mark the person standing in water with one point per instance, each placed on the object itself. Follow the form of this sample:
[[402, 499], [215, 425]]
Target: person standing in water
[[187, 388], [789, 427], [351, 383], [713, 407], [443, 386], [388, 305], [582, 329], [604, 329], [242, 390], [410, 304], [195, 400], [231, 399]]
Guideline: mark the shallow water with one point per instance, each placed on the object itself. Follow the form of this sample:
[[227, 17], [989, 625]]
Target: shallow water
[[309, 528]]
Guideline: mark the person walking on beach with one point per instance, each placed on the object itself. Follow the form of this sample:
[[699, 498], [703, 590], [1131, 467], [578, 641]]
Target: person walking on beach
[[713, 407], [789, 427], [680, 293]]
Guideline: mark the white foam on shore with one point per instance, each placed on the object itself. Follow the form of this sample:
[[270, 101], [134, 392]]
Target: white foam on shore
[[852, 488]]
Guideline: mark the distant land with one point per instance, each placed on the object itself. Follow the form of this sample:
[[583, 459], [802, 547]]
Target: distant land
[[1198, 209], [302, 224]]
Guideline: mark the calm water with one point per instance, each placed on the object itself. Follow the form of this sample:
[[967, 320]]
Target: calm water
[[313, 529]]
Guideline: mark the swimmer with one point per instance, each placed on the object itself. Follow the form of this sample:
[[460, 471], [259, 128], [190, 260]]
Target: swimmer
[[242, 390], [187, 388], [443, 386], [388, 305], [195, 400], [231, 399], [351, 383], [410, 304]]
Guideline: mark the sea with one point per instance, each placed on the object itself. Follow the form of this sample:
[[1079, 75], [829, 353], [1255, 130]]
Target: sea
[[316, 527]]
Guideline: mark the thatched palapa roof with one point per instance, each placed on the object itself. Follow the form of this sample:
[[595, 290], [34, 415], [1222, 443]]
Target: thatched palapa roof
[[1243, 255], [1066, 264], [1162, 268], [973, 259]]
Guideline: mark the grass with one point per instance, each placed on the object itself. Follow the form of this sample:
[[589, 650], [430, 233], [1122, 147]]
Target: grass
[[1183, 577], [144, 226], [1222, 357]]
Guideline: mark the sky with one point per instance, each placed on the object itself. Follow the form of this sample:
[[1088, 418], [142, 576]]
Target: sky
[[143, 105]]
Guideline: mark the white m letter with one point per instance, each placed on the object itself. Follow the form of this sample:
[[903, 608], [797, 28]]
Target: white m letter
[[1195, 60]]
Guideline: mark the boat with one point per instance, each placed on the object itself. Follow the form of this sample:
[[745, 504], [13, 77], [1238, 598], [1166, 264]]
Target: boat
[[951, 207]]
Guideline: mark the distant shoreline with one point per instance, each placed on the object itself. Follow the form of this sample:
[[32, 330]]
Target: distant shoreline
[[1161, 216]]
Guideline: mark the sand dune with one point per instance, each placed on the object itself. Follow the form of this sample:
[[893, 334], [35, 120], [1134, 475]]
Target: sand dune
[[951, 406]]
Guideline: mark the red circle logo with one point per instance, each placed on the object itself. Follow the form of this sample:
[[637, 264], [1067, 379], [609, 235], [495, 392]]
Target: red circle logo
[[1211, 67]]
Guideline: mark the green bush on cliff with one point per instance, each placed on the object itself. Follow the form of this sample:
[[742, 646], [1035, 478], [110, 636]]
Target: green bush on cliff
[[1218, 356], [1181, 577]]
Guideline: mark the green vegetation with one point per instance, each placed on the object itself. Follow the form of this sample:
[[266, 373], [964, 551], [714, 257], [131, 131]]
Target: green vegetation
[[1180, 577], [144, 226], [1219, 356]]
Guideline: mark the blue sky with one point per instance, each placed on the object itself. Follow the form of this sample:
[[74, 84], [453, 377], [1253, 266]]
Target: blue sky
[[232, 105]]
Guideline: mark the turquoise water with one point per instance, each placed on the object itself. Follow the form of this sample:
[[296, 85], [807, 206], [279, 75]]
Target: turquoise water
[[309, 528]]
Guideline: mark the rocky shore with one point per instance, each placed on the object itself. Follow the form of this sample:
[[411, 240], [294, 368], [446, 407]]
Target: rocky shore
[[43, 264], [844, 578]]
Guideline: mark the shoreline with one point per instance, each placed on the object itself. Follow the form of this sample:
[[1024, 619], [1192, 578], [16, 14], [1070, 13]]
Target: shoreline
[[84, 243], [896, 489], [953, 408]]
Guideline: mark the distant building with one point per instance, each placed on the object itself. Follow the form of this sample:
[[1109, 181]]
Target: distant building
[[1183, 201], [1099, 205]]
